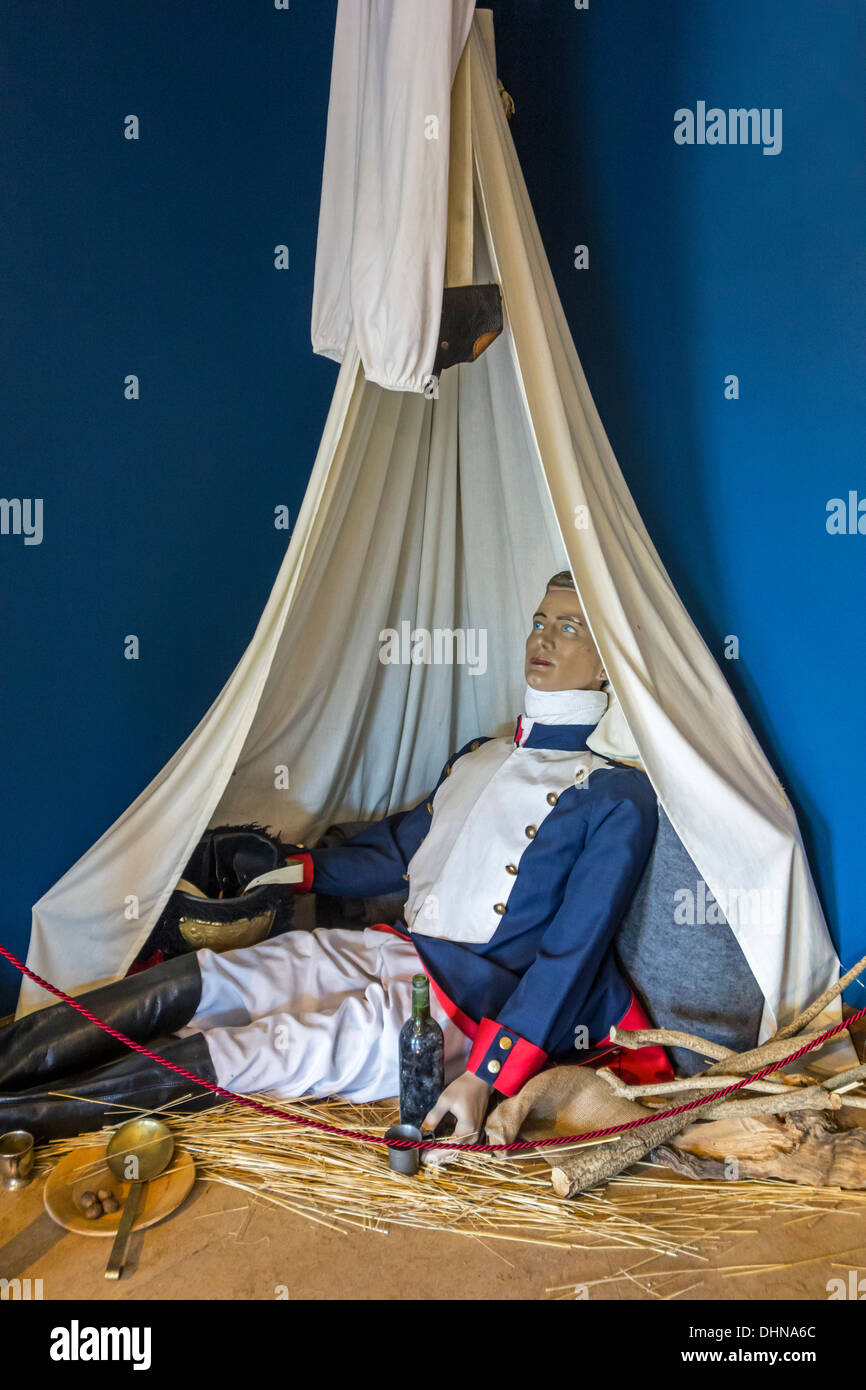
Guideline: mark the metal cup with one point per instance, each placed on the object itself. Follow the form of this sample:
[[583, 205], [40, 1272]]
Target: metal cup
[[16, 1159], [404, 1160]]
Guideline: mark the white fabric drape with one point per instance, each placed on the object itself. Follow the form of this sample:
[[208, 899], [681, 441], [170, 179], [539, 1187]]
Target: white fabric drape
[[380, 256], [452, 513]]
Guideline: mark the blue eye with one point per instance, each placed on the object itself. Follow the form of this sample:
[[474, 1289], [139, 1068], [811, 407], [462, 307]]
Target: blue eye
[[537, 623]]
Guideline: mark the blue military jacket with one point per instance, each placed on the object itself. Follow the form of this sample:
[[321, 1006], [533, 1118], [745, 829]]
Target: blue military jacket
[[521, 864]]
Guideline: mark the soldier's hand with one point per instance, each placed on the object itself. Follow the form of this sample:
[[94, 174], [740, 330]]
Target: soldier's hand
[[466, 1099]]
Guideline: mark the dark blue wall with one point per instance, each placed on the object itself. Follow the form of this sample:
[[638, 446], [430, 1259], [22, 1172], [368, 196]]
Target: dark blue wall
[[155, 257]]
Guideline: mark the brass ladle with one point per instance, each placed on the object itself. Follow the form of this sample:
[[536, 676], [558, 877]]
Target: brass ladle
[[137, 1153]]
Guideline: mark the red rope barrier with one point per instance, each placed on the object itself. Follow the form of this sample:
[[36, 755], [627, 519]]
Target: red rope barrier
[[423, 1143]]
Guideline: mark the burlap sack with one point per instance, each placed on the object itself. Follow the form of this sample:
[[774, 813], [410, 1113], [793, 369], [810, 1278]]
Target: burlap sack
[[562, 1100]]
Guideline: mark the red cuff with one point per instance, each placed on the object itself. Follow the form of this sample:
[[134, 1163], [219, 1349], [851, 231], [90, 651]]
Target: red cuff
[[306, 882], [504, 1059]]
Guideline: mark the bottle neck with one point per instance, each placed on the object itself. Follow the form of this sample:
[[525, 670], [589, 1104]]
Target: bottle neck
[[420, 998]]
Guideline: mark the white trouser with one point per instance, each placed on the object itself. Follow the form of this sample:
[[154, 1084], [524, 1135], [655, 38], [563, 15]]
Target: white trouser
[[315, 1013]]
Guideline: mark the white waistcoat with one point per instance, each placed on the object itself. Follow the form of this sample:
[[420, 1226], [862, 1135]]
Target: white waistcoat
[[481, 816]]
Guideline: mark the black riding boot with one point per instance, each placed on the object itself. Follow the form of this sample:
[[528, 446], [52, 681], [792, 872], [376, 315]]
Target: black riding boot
[[57, 1041], [95, 1098]]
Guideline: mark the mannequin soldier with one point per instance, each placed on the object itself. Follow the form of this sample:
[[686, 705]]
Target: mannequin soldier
[[520, 866]]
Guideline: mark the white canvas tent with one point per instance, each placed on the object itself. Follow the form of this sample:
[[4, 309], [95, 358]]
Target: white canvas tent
[[446, 513]]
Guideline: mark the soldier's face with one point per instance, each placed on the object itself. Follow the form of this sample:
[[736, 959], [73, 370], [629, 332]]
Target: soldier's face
[[560, 652]]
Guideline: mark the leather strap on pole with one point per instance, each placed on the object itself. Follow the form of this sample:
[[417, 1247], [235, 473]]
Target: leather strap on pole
[[458, 254]]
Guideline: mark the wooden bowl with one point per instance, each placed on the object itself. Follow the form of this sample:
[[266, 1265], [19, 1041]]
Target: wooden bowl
[[84, 1169]]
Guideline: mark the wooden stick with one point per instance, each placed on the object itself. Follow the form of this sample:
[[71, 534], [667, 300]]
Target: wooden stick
[[757, 1057], [845, 1078], [667, 1037], [699, 1083], [805, 1098]]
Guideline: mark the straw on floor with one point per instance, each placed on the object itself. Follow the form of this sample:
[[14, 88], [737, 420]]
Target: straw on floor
[[345, 1185]]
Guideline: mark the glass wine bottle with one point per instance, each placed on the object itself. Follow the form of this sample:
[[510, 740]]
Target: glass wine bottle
[[422, 1057]]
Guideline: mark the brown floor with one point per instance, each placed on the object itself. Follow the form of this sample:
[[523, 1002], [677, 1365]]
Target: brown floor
[[223, 1245]]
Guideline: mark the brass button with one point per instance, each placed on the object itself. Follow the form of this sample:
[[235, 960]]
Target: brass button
[[505, 1043], [494, 1066], [552, 798], [473, 745], [299, 846], [406, 876], [448, 770], [500, 908], [531, 832], [430, 807], [511, 868]]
